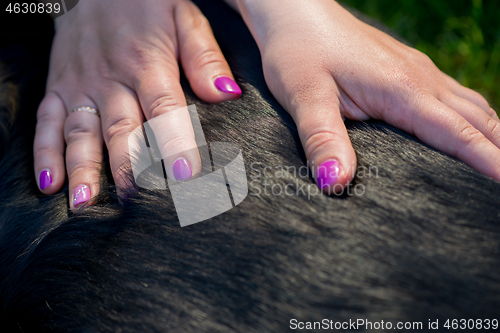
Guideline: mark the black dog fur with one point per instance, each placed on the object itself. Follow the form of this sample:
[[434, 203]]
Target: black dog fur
[[422, 242]]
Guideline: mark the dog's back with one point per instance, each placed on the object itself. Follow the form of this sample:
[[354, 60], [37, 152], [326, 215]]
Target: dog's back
[[415, 238]]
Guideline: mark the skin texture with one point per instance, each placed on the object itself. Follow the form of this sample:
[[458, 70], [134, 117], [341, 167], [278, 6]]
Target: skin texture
[[126, 65], [322, 64], [420, 240]]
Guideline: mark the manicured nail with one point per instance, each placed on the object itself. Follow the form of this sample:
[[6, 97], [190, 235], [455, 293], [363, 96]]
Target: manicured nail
[[82, 194], [327, 173], [225, 84], [182, 169], [45, 179]]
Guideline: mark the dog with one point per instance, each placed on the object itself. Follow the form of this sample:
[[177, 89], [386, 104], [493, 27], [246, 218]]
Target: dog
[[412, 243]]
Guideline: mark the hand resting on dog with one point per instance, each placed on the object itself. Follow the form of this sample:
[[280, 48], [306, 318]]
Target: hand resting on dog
[[320, 62]]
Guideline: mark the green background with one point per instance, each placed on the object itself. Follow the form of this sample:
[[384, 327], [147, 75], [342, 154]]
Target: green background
[[462, 37]]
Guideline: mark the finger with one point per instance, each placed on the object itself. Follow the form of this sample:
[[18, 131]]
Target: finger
[[444, 129], [121, 114], [202, 60], [316, 111], [48, 148], [164, 105], [83, 135], [476, 116], [495, 114], [469, 94]]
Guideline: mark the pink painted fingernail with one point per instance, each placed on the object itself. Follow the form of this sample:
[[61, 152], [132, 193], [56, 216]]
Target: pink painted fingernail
[[81, 195], [225, 84], [182, 169], [45, 179], [327, 173]]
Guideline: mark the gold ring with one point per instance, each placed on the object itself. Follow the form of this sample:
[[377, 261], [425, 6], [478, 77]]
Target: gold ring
[[86, 109]]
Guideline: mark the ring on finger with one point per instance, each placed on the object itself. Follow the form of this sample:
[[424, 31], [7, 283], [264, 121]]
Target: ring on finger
[[86, 109]]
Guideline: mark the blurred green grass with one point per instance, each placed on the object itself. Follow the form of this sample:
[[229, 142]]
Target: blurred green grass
[[462, 37]]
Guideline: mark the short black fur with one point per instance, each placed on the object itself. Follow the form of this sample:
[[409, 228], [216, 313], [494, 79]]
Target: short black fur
[[421, 242]]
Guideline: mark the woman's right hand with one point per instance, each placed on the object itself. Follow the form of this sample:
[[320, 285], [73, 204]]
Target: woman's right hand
[[121, 58]]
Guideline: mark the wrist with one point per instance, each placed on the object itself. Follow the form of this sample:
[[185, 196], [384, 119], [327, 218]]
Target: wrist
[[267, 18], [257, 14]]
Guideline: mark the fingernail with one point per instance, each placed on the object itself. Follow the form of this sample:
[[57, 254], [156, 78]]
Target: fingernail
[[182, 169], [327, 173], [81, 195], [225, 84], [45, 179]]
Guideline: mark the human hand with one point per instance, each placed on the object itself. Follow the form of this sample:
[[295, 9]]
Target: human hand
[[322, 64], [121, 58]]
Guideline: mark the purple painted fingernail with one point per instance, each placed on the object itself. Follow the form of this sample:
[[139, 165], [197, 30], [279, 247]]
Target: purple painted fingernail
[[182, 169], [81, 195], [327, 173], [225, 84], [45, 179]]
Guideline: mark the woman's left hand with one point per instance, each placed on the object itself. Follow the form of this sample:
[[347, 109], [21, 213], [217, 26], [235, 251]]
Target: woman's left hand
[[323, 64]]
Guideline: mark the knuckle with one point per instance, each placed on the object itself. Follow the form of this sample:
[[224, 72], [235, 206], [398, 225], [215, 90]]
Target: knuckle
[[317, 140], [106, 73], [120, 127], [492, 129], [193, 15], [44, 114], [420, 57], [199, 21], [163, 104], [140, 56], [425, 59], [85, 167], [405, 81], [44, 118], [174, 144], [494, 114], [476, 95], [490, 112], [208, 57], [44, 151], [410, 90], [482, 102], [469, 135], [78, 131]]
